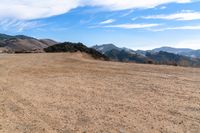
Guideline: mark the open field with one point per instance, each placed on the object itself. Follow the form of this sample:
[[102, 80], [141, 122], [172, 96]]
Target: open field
[[67, 93]]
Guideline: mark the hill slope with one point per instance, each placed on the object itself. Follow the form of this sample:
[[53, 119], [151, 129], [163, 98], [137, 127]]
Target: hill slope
[[23, 44], [75, 47]]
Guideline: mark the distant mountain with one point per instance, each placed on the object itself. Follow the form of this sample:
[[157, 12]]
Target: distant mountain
[[156, 56], [141, 52], [6, 37], [180, 51], [173, 59], [105, 48], [48, 42], [122, 54], [126, 56], [75, 47], [23, 44], [172, 50], [194, 53]]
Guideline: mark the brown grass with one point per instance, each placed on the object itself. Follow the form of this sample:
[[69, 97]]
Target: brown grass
[[67, 93]]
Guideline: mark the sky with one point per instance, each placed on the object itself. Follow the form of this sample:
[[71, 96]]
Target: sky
[[135, 24]]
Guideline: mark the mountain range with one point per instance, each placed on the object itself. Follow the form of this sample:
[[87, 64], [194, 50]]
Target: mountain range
[[163, 55], [180, 51]]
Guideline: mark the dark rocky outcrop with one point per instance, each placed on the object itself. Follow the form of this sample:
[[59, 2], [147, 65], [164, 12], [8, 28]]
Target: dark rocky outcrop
[[75, 47]]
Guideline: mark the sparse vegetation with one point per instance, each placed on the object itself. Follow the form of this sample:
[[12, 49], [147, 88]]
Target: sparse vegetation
[[75, 47]]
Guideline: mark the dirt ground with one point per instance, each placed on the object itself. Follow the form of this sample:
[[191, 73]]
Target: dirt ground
[[71, 93]]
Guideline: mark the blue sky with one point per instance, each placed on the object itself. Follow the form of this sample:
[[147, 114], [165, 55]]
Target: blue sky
[[129, 23]]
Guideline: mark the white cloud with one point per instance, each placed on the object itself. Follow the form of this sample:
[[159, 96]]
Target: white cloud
[[133, 19], [195, 27], [109, 21], [163, 7], [19, 25], [129, 4], [189, 15], [133, 26], [35, 9], [190, 27], [128, 13]]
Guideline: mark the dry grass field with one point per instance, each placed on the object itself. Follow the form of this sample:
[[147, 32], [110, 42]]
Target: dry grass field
[[72, 93]]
